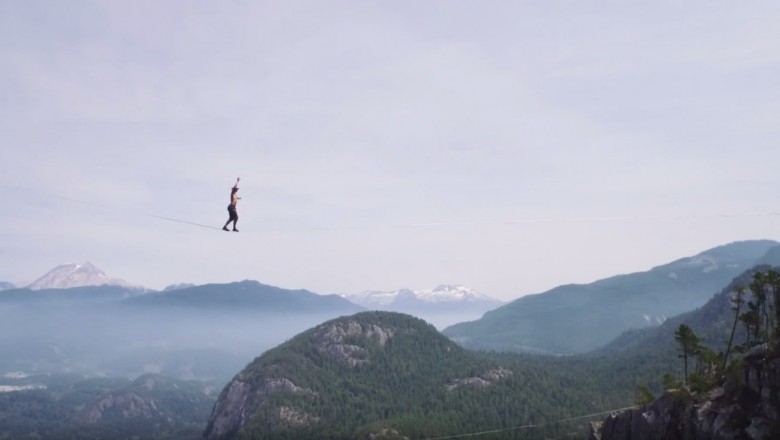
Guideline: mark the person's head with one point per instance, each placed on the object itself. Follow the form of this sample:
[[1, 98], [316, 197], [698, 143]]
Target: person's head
[[235, 190]]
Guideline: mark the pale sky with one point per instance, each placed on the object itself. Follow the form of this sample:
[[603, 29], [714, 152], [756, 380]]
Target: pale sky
[[385, 145]]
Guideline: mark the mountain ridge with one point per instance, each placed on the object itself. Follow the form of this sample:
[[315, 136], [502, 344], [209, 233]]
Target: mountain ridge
[[577, 318]]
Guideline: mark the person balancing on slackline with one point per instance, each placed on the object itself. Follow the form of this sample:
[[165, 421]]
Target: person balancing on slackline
[[234, 198]]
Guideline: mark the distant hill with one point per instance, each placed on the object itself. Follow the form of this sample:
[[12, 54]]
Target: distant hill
[[6, 286], [580, 318], [442, 306], [152, 406]]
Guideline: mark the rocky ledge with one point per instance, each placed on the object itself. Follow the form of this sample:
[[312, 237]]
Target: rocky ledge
[[744, 408], [242, 399]]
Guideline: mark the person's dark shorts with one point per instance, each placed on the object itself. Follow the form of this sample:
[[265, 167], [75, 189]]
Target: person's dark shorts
[[232, 212]]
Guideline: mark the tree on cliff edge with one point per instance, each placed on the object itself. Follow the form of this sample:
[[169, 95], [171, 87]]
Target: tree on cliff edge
[[689, 346]]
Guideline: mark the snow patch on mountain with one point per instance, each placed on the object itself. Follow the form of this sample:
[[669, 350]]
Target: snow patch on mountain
[[707, 263], [449, 293]]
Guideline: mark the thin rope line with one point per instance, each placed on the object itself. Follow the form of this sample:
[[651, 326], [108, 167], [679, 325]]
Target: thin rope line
[[184, 221], [494, 431], [438, 224], [114, 208], [467, 223]]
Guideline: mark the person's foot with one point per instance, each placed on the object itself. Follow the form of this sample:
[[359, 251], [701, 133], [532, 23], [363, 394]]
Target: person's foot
[[234, 230], [224, 228]]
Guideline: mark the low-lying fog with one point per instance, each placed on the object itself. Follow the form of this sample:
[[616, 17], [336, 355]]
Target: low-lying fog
[[106, 332]]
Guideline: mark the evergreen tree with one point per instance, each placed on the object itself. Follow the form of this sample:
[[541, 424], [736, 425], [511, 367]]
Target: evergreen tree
[[773, 284], [737, 301], [689, 346]]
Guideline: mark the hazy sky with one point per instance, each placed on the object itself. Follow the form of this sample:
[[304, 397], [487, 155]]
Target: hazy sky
[[387, 144]]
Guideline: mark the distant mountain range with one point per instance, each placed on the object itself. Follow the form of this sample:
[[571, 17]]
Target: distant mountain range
[[566, 320], [444, 299], [578, 318], [442, 306]]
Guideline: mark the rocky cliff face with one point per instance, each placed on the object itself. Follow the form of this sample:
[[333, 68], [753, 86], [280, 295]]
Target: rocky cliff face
[[234, 407], [746, 408]]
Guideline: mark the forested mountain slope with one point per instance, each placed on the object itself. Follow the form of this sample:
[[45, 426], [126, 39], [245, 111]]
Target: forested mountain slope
[[580, 318], [730, 385]]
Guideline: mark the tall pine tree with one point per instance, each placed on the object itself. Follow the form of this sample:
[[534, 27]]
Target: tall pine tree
[[689, 346]]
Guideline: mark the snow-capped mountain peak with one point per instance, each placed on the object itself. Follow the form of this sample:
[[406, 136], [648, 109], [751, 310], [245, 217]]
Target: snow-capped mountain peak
[[447, 293], [444, 293], [75, 275], [442, 306]]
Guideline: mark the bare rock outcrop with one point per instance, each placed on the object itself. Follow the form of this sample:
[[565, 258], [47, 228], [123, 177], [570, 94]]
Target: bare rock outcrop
[[745, 408], [333, 339], [482, 381], [128, 405]]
